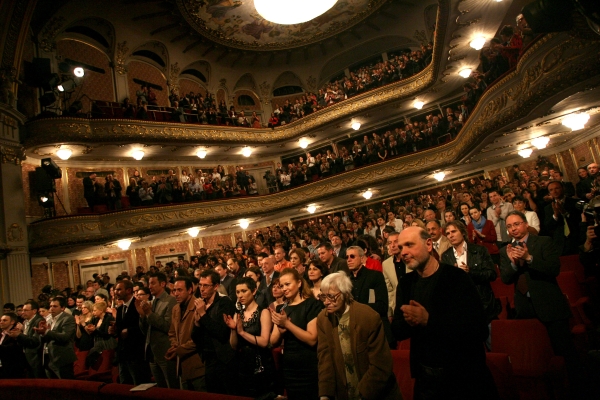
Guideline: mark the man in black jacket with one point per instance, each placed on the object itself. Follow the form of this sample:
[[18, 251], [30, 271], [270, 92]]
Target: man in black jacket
[[211, 335], [562, 219], [133, 368], [327, 257], [30, 340]]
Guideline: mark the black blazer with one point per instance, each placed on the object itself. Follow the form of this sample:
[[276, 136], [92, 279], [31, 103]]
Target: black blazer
[[12, 359], [266, 290], [131, 346], [482, 271], [339, 264], [33, 349], [212, 336], [555, 228], [547, 298]]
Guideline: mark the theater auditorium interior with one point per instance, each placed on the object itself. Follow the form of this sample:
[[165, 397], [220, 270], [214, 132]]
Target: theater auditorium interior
[[141, 131]]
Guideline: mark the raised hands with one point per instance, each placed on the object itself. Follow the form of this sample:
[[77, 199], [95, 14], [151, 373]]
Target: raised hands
[[415, 314]]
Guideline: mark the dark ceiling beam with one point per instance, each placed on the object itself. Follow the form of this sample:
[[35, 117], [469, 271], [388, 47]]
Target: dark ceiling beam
[[355, 34], [192, 45], [164, 28], [210, 48], [223, 55], [372, 26], [148, 16], [237, 59], [182, 36], [323, 50]]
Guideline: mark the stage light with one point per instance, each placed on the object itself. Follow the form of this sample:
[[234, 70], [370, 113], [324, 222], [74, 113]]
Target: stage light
[[78, 72]]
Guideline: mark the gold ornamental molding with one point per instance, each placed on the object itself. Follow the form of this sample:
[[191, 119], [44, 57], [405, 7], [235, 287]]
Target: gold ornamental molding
[[47, 131], [553, 66]]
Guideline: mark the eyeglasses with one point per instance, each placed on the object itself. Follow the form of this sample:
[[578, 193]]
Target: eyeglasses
[[331, 297], [350, 256], [516, 225]]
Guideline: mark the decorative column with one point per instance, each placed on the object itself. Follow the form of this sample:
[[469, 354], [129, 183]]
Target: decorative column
[[120, 72]]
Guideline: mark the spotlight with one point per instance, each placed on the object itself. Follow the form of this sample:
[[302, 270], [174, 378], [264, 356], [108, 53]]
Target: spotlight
[[67, 86], [124, 244], [201, 153], [43, 199], [576, 121], [246, 151], [193, 232], [53, 170], [525, 153], [138, 155], [244, 223], [540, 142], [418, 104], [304, 143], [78, 72], [356, 125], [64, 154], [367, 194], [311, 209], [439, 176], [478, 43], [465, 73]]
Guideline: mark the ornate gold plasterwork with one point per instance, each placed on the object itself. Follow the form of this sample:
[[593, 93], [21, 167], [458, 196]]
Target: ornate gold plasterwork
[[49, 33], [122, 50], [12, 154], [14, 233]]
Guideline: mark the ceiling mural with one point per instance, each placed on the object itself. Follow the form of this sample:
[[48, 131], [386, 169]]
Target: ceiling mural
[[236, 23]]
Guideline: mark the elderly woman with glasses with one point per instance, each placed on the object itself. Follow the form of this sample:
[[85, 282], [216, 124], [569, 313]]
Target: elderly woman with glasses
[[355, 361]]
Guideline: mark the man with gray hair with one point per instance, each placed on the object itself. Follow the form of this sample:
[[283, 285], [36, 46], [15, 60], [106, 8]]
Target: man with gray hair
[[438, 307]]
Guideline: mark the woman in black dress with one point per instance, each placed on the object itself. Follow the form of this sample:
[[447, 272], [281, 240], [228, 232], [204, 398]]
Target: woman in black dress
[[83, 340], [250, 330], [296, 324]]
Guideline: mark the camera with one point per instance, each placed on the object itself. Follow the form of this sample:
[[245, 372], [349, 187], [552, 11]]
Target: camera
[[591, 211]]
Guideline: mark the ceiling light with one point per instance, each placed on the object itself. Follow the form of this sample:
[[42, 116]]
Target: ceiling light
[[311, 209], [138, 154], [525, 153], [193, 232], [246, 151], [439, 176], [356, 125], [478, 43], [44, 199], [576, 121], [419, 104], [244, 223], [465, 73], [368, 194], [292, 12], [201, 153], [540, 142], [79, 72], [304, 143], [124, 244], [64, 154]]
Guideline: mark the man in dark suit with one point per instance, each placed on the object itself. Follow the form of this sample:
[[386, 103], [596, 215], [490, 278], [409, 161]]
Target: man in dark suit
[[12, 360], [225, 279], [89, 190], [155, 322], [133, 368], [568, 186], [269, 274], [211, 335], [531, 263], [339, 250], [368, 287], [58, 340], [439, 309], [327, 257], [30, 340], [562, 219]]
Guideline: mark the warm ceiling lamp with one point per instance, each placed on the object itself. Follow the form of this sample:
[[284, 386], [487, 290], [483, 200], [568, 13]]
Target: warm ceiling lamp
[[64, 154], [478, 43], [201, 153], [138, 154], [311, 208], [576, 121], [439, 176], [246, 151], [465, 73], [124, 244], [288, 12], [303, 143], [367, 194], [79, 72], [244, 223], [525, 153], [540, 142], [419, 104], [193, 232], [356, 125]]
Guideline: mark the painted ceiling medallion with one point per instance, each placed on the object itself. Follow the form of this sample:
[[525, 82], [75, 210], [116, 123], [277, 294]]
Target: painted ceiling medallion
[[236, 23], [290, 12]]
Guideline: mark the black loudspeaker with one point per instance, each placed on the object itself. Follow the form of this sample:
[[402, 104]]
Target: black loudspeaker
[[37, 72], [51, 168], [43, 183]]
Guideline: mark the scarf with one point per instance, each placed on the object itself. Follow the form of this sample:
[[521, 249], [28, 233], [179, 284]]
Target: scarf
[[479, 225]]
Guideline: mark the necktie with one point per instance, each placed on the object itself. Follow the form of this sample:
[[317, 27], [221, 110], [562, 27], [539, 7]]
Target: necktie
[[522, 286], [436, 246], [124, 310], [268, 281]]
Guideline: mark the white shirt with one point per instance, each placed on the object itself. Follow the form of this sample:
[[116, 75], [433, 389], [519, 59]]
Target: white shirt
[[462, 259], [532, 220], [398, 225]]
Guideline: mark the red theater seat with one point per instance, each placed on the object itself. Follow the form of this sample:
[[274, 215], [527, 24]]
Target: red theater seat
[[101, 371], [79, 368], [48, 389], [122, 392], [501, 369], [501, 289], [402, 372], [100, 208]]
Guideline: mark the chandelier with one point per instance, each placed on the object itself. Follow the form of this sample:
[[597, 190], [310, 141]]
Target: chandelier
[[288, 12]]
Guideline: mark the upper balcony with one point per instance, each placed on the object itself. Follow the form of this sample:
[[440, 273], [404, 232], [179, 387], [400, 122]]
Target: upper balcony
[[508, 115]]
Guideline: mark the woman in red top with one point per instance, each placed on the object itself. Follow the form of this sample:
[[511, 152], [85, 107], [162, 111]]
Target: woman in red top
[[482, 231]]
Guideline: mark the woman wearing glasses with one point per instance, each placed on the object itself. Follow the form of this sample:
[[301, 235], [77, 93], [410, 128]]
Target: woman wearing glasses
[[250, 330], [344, 327], [296, 325]]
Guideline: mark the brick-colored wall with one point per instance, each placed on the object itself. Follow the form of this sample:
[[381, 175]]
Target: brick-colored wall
[[39, 278], [140, 258], [96, 85], [179, 247], [583, 155], [187, 86], [147, 73], [76, 198], [60, 272], [212, 242], [570, 171]]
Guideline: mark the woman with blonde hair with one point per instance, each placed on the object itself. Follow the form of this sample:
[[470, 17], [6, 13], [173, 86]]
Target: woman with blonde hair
[[83, 340]]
